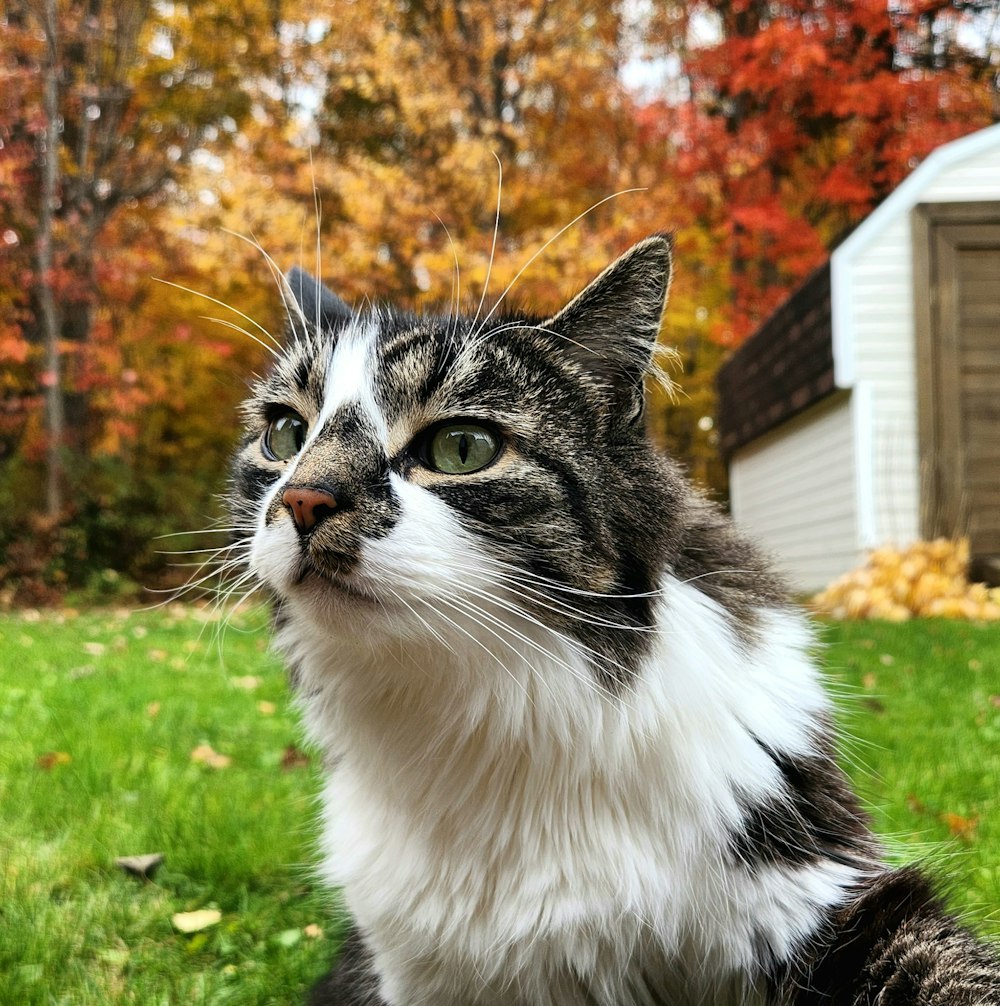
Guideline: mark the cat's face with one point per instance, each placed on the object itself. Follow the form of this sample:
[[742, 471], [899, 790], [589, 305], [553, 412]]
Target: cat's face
[[416, 471]]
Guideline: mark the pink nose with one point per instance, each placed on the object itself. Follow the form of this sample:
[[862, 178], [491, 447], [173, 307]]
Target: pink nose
[[309, 506]]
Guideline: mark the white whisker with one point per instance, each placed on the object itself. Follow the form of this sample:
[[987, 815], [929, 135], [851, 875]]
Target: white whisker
[[555, 237], [493, 246], [228, 307]]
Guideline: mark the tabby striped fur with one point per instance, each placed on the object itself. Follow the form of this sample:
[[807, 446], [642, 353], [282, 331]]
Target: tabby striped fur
[[578, 749]]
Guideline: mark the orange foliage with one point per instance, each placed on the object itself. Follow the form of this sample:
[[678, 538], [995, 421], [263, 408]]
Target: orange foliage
[[211, 145]]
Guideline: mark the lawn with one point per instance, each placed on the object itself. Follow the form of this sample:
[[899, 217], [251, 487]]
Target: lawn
[[129, 733]]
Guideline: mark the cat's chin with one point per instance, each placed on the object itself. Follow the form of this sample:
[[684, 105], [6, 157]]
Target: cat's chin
[[326, 583]]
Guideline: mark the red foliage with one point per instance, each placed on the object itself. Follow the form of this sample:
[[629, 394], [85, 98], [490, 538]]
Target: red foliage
[[803, 115]]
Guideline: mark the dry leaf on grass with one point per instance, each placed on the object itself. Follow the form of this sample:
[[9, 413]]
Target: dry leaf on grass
[[266, 708], [961, 827], [292, 757], [915, 804], [142, 867], [207, 755], [52, 759], [247, 683], [195, 922]]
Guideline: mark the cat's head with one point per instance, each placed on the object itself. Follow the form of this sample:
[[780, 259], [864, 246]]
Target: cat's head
[[426, 475]]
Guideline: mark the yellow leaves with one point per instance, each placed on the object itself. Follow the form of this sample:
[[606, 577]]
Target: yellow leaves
[[927, 579], [961, 827], [205, 754], [196, 921], [53, 759]]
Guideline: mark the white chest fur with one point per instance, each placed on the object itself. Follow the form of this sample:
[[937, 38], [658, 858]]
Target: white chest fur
[[505, 832]]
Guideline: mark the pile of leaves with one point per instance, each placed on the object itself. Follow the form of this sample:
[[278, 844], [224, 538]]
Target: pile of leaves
[[927, 579]]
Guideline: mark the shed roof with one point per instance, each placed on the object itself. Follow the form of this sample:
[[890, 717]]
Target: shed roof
[[782, 369], [805, 350]]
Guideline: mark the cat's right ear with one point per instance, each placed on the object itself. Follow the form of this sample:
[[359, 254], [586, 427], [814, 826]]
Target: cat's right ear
[[611, 327], [314, 303]]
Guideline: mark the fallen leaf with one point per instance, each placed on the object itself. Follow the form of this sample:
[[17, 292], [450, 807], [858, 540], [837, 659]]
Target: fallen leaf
[[915, 804], [207, 755], [153, 709], [869, 681], [266, 708], [94, 649], [975, 665], [195, 922], [51, 759], [995, 701], [292, 757], [961, 827], [157, 655], [312, 931], [248, 683], [887, 659], [142, 867]]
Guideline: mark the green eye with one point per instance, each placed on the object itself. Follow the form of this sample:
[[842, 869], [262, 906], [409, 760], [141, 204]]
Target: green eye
[[461, 448], [284, 436]]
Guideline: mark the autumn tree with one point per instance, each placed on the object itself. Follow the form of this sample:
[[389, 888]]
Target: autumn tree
[[420, 102], [800, 116], [105, 107], [214, 145], [113, 99], [781, 125]]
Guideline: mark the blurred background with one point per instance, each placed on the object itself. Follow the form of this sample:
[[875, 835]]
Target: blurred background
[[157, 159]]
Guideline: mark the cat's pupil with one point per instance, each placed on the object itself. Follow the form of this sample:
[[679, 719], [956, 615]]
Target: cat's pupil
[[461, 448], [284, 436]]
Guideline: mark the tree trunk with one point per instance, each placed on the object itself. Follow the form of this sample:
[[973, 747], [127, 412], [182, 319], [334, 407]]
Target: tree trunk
[[55, 420]]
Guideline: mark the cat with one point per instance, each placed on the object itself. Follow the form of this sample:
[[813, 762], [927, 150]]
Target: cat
[[577, 749]]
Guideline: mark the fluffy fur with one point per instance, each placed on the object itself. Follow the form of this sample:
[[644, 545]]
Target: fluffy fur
[[578, 749]]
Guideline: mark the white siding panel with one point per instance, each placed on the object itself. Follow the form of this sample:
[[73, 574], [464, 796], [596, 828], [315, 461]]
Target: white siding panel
[[845, 475], [976, 178], [879, 313], [793, 491]]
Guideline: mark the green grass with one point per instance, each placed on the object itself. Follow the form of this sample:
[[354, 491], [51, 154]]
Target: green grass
[[923, 706], [127, 699], [118, 702]]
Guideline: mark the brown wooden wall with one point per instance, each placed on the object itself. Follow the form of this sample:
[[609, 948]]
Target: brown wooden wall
[[957, 290]]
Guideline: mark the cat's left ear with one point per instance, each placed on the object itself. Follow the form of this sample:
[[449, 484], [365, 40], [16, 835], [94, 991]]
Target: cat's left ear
[[611, 326], [320, 306]]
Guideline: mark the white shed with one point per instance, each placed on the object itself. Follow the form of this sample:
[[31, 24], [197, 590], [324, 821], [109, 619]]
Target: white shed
[[866, 410]]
